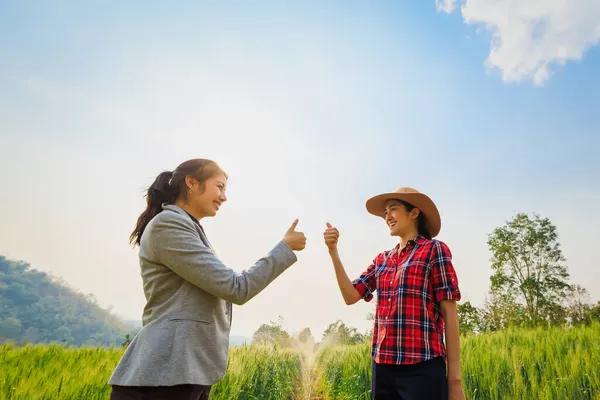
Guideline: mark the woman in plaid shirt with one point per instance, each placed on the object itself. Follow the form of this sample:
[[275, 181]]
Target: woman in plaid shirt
[[417, 290]]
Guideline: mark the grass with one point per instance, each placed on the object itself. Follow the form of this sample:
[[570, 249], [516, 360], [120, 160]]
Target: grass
[[56, 372], [260, 372], [557, 363], [541, 364]]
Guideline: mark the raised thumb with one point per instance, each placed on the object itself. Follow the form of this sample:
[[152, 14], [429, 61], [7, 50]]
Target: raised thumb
[[294, 224]]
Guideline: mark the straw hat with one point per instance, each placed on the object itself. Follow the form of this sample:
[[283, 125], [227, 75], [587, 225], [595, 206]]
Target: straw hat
[[376, 206]]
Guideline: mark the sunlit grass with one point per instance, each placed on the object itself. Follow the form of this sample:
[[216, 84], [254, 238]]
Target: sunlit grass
[[557, 363]]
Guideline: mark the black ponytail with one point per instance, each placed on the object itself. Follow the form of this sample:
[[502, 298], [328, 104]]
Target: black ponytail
[[158, 193], [421, 226]]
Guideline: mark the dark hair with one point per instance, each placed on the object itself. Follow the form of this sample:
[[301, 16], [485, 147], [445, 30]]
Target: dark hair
[[421, 229], [168, 187]]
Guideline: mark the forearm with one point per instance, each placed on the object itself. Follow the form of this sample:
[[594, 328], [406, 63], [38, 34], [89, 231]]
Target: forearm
[[177, 246], [452, 342], [349, 292]]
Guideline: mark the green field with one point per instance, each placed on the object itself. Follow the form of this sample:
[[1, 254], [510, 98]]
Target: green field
[[514, 364], [54, 372], [557, 363]]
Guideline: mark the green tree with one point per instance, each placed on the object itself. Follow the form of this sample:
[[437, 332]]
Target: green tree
[[272, 333], [469, 318], [595, 312], [340, 333], [579, 307], [528, 266], [127, 340], [501, 311]]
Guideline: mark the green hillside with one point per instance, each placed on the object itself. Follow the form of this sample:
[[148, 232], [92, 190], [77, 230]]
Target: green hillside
[[37, 308]]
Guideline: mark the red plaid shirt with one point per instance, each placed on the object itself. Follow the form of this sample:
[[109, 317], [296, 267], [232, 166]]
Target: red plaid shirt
[[410, 283]]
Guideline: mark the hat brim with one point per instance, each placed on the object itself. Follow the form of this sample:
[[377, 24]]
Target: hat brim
[[376, 206]]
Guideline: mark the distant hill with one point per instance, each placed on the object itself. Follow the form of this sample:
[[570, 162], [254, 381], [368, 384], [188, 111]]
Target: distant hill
[[37, 308]]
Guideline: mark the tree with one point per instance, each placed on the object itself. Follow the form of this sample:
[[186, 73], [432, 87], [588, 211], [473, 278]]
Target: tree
[[127, 340], [305, 336], [595, 312], [340, 333], [557, 315], [528, 265], [371, 318], [501, 311], [469, 318], [579, 309], [272, 333]]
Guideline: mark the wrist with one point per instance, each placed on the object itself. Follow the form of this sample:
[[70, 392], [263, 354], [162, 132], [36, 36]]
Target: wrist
[[454, 379]]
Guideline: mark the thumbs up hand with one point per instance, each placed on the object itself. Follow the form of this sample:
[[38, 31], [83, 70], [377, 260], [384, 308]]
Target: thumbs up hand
[[295, 240], [331, 236]]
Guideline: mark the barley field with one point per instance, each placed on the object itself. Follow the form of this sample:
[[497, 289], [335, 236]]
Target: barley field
[[541, 364], [261, 372], [54, 372]]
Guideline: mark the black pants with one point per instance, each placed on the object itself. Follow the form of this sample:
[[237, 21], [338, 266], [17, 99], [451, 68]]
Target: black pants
[[422, 381], [179, 392]]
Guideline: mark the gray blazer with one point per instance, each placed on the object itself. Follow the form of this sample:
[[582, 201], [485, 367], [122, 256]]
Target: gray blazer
[[189, 292]]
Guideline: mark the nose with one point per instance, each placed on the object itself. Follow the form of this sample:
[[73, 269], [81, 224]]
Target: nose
[[223, 197]]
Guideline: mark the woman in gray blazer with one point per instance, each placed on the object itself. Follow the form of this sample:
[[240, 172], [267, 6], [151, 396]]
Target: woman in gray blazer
[[182, 347]]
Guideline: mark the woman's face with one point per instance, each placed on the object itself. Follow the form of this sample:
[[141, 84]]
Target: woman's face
[[207, 202], [398, 220]]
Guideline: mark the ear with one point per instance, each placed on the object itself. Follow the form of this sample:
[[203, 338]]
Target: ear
[[190, 182], [414, 214]]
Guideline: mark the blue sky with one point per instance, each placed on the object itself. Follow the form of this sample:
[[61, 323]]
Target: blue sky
[[312, 108]]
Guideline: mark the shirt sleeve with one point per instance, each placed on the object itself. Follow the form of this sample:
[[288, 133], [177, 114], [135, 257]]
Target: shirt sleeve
[[366, 284], [444, 279], [177, 245]]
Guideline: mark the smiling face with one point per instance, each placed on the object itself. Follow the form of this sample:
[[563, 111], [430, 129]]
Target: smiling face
[[399, 220], [205, 199]]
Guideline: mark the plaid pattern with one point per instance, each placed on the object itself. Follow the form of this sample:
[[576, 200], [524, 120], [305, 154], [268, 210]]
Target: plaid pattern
[[410, 283]]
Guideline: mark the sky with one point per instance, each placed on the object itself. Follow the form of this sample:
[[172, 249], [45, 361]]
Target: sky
[[488, 106]]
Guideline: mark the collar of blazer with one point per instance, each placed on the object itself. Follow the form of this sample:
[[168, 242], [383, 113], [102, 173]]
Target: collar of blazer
[[183, 214]]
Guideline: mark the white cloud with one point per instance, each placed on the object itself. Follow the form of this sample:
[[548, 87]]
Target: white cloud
[[529, 37], [445, 5]]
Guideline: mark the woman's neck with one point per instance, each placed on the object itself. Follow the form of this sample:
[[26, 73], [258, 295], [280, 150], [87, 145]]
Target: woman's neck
[[410, 235], [186, 207]]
